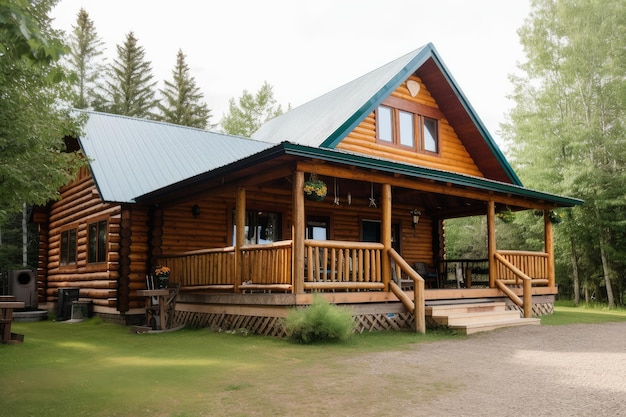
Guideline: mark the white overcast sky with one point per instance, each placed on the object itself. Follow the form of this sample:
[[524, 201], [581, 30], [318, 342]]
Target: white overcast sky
[[306, 48]]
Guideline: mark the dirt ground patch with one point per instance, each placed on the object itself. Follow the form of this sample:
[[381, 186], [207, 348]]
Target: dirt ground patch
[[570, 370]]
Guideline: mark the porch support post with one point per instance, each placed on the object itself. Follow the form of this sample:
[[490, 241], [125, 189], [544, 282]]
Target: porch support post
[[491, 242], [549, 246], [240, 236], [298, 232], [385, 233]]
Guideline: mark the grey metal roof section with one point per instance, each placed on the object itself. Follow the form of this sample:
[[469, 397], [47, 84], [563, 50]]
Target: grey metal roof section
[[130, 157], [311, 124]]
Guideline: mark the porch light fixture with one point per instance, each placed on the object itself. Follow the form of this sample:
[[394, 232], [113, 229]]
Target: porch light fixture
[[195, 211], [415, 217]]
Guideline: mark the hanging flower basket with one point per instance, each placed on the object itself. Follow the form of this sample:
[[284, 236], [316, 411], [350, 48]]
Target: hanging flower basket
[[555, 218], [507, 216], [315, 189]]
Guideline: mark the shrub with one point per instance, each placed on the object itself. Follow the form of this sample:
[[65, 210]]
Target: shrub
[[319, 322]]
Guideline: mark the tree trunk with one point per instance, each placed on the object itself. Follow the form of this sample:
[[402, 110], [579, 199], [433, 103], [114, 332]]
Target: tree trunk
[[24, 235], [576, 282], [607, 274]]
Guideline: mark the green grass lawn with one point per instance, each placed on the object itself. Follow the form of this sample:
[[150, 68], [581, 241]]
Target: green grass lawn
[[566, 313], [98, 369]]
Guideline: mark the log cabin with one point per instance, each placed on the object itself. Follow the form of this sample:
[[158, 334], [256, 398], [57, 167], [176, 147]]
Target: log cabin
[[346, 196]]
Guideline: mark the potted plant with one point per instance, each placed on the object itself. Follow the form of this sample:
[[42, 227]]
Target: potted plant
[[162, 274], [315, 189]]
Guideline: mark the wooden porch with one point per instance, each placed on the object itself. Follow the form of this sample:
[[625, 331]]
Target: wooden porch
[[262, 280]]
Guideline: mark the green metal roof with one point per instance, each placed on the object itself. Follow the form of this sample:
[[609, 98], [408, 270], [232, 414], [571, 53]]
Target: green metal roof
[[130, 157]]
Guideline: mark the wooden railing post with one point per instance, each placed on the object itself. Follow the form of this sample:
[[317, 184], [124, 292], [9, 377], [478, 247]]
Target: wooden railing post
[[240, 236], [491, 242], [549, 247], [298, 232], [385, 232]]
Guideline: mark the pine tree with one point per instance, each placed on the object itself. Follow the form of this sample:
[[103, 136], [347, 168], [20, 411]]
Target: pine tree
[[253, 110], [182, 98], [86, 47], [129, 89]]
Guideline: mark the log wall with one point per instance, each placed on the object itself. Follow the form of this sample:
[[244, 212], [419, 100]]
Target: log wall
[[78, 206], [452, 155], [213, 228]]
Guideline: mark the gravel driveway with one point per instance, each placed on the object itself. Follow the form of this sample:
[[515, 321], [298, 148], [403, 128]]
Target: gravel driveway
[[570, 370]]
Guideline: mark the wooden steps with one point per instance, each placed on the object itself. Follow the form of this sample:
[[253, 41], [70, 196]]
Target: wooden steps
[[468, 318]]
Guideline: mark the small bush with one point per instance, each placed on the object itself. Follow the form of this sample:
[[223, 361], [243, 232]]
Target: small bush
[[320, 322]]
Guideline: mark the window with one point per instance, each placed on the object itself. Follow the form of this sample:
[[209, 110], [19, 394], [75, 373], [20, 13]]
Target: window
[[97, 242], [407, 129], [68, 247], [317, 227], [261, 227]]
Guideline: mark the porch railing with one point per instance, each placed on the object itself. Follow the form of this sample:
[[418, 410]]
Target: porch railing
[[267, 265], [533, 264], [342, 265], [208, 268], [521, 267], [417, 306]]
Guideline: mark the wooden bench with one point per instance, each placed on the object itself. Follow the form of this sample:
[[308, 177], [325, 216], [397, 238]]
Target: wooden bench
[[7, 305]]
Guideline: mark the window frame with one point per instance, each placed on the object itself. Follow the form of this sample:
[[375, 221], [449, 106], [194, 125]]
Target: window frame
[[68, 248], [101, 246], [420, 113]]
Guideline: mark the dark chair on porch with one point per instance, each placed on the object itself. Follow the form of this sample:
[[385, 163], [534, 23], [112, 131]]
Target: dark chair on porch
[[431, 279]]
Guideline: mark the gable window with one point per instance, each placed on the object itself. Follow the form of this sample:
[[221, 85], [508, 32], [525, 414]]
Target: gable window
[[97, 242], [407, 129], [68, 247]]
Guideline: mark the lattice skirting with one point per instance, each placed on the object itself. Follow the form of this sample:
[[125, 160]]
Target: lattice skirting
[[539, 308], [273, 326], [267, 326]]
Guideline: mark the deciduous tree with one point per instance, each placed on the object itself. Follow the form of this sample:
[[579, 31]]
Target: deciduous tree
[[34, 116], [568, 125], [251, 111]]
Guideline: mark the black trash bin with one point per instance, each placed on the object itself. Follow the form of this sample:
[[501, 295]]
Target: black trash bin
[[64, 304]]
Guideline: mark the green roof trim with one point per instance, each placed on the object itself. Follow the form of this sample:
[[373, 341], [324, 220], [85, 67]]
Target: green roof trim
[[474, 116], [358, 116], [393, 167], [421, 55]]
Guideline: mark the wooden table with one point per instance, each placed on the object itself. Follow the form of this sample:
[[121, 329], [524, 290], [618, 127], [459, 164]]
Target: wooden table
[[7, 305], [162, 296]]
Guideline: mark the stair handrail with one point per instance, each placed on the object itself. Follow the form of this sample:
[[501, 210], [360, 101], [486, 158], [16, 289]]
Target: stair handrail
[[417, 305], [527, 302]]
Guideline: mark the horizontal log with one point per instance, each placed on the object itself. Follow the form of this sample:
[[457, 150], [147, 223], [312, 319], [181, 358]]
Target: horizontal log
[[344, 285], [109, 284], [265, 287], [216, 287], [338, 244]]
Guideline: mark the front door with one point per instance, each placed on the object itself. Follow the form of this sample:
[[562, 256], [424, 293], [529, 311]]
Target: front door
[[370, 232]]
